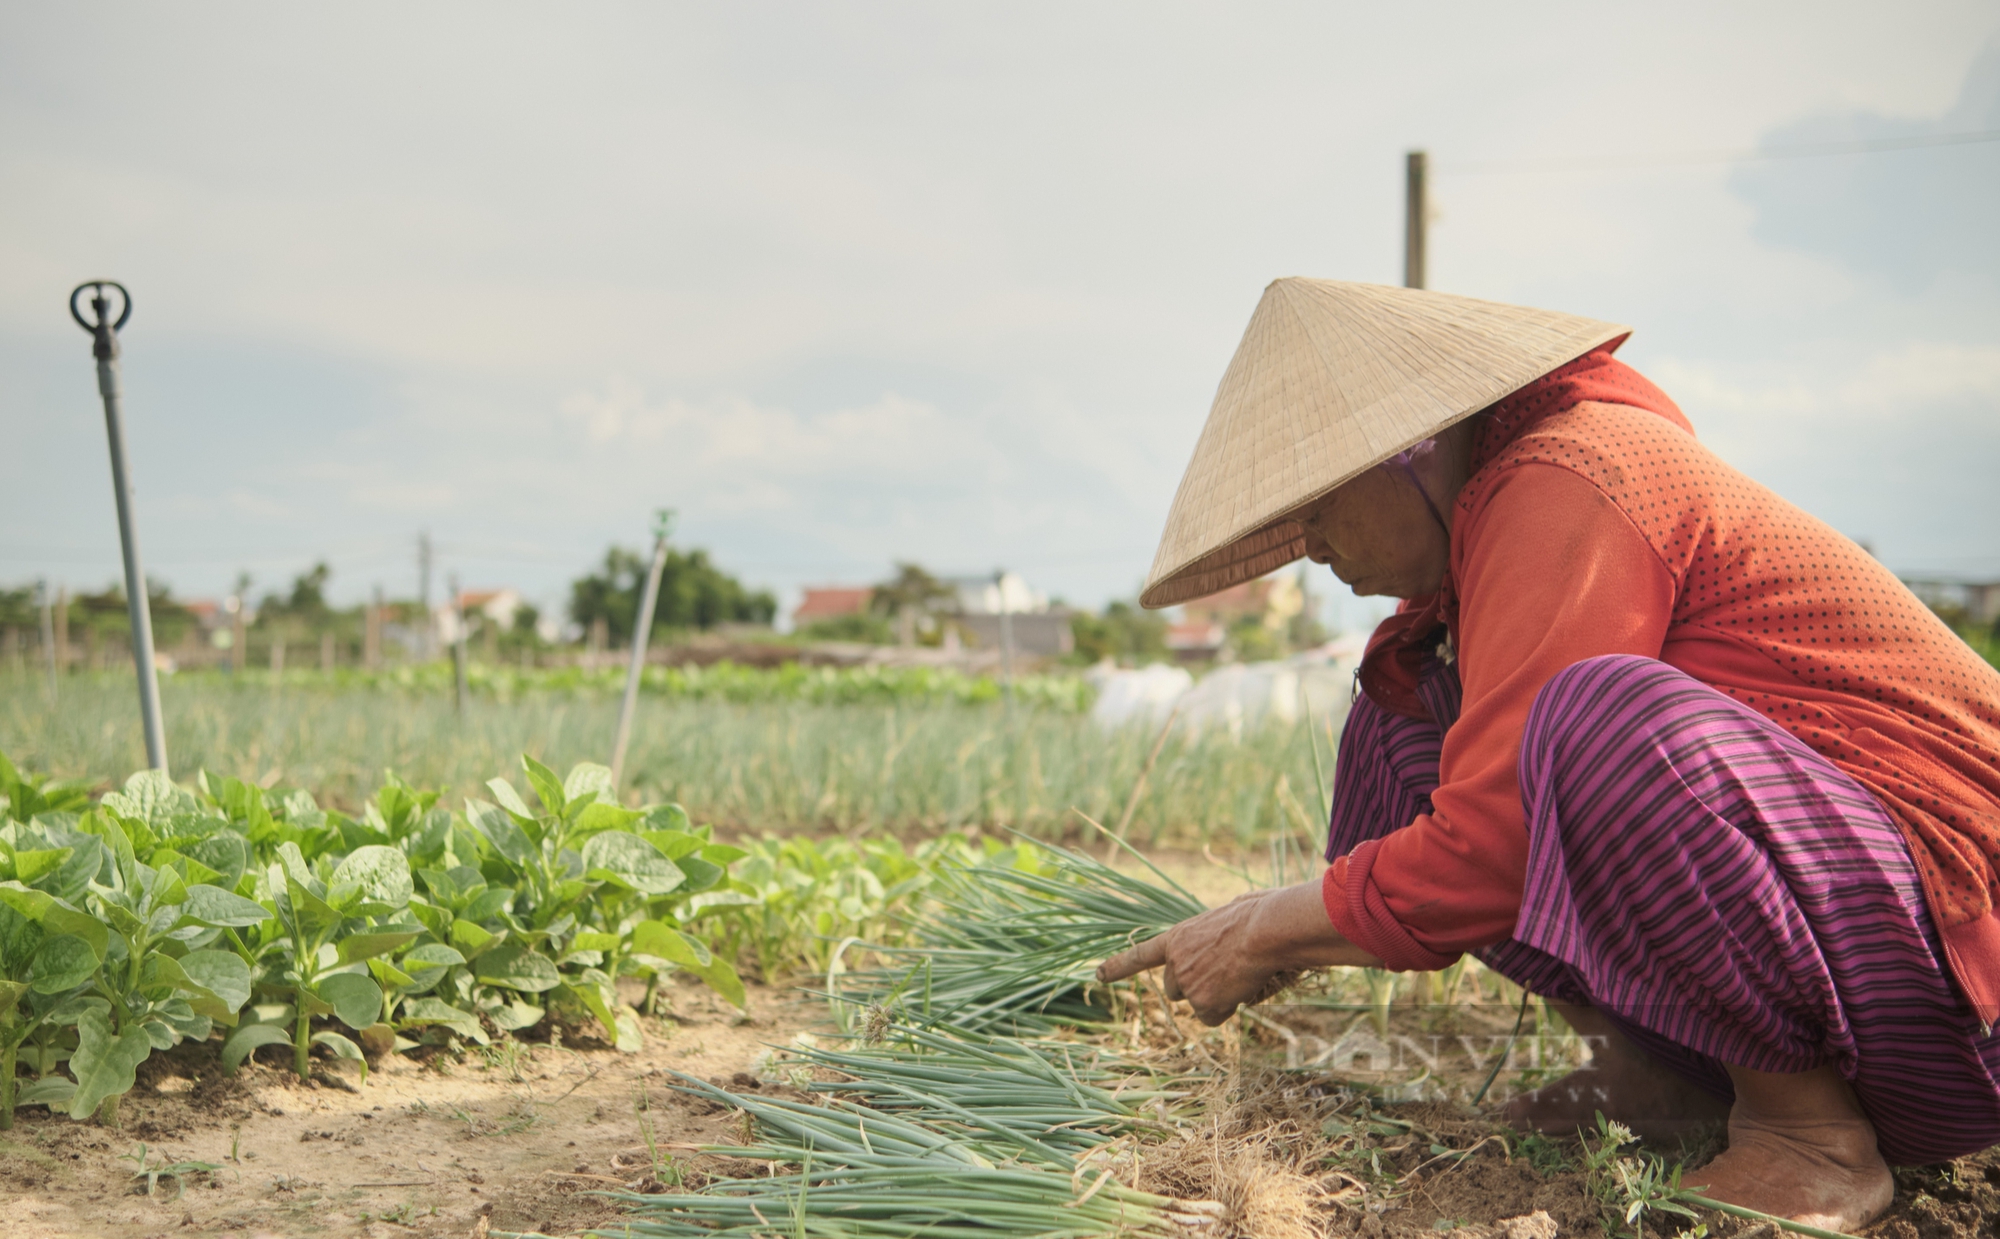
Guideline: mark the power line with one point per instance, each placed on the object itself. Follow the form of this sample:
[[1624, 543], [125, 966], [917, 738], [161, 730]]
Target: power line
[[1810, 150]]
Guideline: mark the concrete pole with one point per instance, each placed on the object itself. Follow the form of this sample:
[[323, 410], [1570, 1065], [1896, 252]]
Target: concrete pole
[[1006, 635], [371, 638], [458, 646], [48, 635], [642, 630], [427, 634]]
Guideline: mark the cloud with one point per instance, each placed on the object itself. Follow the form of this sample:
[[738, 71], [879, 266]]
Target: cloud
[[1888, 384], [1894, 446], [1906, 218], [892, 439]]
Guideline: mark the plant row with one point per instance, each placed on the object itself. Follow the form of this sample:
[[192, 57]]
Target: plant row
[[727, 681], [162, 913]]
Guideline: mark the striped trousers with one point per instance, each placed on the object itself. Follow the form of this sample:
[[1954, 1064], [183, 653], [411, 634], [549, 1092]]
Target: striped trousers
[[1714, 886]]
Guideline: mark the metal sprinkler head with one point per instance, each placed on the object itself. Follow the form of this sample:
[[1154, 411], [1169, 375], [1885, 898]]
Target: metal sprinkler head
[[104, 332]]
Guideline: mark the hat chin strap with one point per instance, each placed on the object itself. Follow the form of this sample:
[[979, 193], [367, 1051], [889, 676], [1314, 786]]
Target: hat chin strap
[[1402, 461]]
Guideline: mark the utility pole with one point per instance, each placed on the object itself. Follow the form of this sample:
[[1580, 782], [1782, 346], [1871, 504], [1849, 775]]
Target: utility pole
[[104, 347], [239, 632], [62, 629], [1416, 218], [1006, 634], [642, 629], [48, 634], [424, 593], [371, 634], [458, 646]]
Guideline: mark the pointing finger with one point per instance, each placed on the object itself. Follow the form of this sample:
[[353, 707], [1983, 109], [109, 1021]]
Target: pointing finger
[[1148, 954]]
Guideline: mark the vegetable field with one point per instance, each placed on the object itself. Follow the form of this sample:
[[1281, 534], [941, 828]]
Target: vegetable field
[[510, 1000]]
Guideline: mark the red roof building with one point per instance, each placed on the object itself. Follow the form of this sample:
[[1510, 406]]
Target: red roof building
[[825, 602]]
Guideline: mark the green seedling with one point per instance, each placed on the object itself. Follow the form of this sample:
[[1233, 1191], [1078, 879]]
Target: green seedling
[[177, 1171]]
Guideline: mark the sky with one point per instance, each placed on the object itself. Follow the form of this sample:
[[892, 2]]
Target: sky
[[847, 284]]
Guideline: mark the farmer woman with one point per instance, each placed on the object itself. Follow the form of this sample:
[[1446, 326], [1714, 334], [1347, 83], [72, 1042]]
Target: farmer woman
[[1642, 736]]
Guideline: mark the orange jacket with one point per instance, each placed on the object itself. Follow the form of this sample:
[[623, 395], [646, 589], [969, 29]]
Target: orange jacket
[[1594, 523]]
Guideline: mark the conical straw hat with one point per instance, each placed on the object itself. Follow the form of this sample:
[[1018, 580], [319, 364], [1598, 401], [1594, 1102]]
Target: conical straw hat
[[1332, 379]]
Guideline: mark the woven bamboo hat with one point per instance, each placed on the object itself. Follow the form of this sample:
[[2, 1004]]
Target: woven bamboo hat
[[1332, 379]]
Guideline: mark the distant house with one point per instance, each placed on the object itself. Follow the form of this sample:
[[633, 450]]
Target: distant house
[[1196, 638], [1274, 600], [825, 602], [990, 595], [1046, 632], [978, 602], [497, 606], [208, 613]]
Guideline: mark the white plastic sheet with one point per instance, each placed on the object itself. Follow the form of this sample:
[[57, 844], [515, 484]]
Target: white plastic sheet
[[1237, 697]]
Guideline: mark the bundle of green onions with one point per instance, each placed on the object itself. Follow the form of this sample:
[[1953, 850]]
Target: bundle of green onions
[[1010, 950], [1068, 1098], [866, 1174]]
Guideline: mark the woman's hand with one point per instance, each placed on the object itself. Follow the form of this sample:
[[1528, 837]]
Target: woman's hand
[[1224, 958]]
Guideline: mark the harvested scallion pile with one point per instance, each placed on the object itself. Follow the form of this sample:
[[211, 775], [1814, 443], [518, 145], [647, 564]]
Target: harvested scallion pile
[[1010, 950], [1067, 1097], [863, 1174]]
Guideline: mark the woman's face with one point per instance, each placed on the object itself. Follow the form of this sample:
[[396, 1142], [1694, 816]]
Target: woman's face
[[1378, 536]]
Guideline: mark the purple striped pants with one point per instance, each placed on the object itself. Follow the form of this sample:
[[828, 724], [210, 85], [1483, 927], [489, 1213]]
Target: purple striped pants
[[1721, 891]]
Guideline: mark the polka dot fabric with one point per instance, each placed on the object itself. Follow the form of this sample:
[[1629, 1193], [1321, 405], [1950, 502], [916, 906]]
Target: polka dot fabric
[[1782, 613]]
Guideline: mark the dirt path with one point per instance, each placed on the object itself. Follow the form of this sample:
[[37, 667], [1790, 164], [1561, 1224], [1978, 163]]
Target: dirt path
[[518, 1137]]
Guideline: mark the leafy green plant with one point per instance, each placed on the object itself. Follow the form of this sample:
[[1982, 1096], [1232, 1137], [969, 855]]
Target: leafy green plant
[[327, 931], [597, 891], [107, 957], [50, 948], [24, 797], [791, 901], [163, 978]]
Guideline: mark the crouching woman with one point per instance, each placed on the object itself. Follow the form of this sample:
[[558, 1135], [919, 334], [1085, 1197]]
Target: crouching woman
[[1642, 737]]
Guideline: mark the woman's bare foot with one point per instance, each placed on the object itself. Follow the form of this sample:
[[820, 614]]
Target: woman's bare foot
[[1623, 1081], [1800, 1149]]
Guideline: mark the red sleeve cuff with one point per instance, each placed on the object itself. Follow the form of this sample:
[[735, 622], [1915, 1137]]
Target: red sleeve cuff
[[1362, 915]]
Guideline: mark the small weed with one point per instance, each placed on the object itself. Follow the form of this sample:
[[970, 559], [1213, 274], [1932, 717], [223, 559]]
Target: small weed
[[507, 1055], [177, 1171], [1545, 1156], [405, 1214], [666, 1170], [1629, 1187], [519, 1118]]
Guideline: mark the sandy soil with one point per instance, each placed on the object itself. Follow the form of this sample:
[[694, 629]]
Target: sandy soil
[[512, 1141]]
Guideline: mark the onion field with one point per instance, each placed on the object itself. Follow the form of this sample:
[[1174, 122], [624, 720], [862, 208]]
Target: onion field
[[803, 750]]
